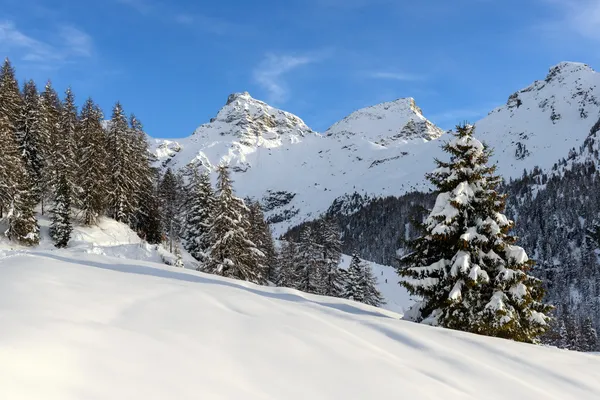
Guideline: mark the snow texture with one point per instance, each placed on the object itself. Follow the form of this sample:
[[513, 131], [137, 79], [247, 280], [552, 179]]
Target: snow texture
[[84, 326]]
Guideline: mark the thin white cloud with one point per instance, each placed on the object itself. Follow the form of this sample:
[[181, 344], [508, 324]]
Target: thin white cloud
[[396, 76], [69, 42], [272, 71], [581, 17]]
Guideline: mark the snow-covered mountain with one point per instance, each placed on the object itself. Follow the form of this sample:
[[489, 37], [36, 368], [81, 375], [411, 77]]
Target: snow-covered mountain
[[297, 173], [380, 150], [540, 123], [87, 326]]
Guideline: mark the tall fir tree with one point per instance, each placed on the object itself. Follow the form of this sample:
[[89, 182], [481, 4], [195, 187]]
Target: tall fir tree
[[30, 138], [50, 110], [119, 150], [16, 190], [91, 154], [286, 265], [589, 336], [372, 295], [232, 253], [141, 166], [171, 198], [11, 104], [261, 235], [66, 166], [310, 269], [354, 285], [331, 246], [200, 206], [148, 220], [61, 228], [465, 266]]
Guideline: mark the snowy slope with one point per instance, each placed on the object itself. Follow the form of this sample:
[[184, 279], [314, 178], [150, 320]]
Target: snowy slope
[[91, 327]]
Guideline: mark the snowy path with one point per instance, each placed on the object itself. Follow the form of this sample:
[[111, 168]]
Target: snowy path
[[85, 326]]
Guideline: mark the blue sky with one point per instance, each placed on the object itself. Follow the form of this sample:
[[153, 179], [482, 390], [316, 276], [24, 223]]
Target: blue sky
[[174, 62]]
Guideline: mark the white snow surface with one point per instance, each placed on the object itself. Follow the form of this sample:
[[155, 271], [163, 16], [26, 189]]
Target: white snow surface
[[380, 150], [85, 326]]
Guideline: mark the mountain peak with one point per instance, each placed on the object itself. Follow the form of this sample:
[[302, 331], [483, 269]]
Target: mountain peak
[[388, 122], [238, 96], [566, 68]]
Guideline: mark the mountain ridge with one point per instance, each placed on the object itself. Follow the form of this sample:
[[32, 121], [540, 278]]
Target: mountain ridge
[[381, 150]]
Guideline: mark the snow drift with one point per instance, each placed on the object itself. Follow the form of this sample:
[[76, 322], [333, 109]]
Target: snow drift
[[85, 326]]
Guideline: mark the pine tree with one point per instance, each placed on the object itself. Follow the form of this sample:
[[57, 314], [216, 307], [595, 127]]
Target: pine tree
[[141, 166], [200, 206], [119, 151], [16, 190], [148, 219], [171, 204], [331, 244], [91, 154], [465, 266], [232, 253], [61, 228], [11, 101], [372, 295], [286, 265], [354, 285], [65, 163], [589, 336], [50, 107], [10, 110], [310, 271], [29, 135], [260, 234]]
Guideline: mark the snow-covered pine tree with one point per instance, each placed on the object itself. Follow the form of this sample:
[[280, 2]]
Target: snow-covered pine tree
[[141, 167], [354, 285], [61, 228], [589, 336], [286, 265], [331, 245], [465, 266], [50, 111], [10, 110], [121, 197], [232, 253], [148, 220], [171, 199], [30, 137], [260, 234], [66, 165], [371, 295], [310, 271], [200, 205], [11, 101], [91, 155], [15, 190]]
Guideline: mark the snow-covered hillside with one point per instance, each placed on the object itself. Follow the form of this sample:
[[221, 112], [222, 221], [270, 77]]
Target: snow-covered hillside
[[381, 150], [78, 326]]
